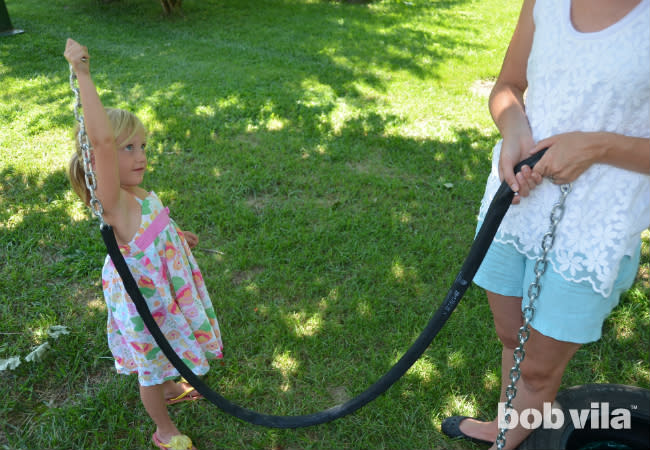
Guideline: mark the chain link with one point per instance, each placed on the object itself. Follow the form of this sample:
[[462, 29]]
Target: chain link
[[529, 310], [86, 153]]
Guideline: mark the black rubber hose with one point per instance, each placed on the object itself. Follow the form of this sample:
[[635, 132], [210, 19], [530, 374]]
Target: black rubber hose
[[500, 204]]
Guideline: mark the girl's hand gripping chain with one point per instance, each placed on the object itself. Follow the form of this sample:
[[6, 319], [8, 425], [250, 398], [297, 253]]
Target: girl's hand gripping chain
[[78, 57]]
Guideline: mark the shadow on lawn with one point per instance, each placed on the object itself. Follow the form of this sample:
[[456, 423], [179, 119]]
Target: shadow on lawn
[[46, 252], [55, 251], [254, 43]]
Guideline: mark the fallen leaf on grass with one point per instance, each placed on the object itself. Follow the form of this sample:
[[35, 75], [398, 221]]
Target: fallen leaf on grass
[[57, 330], [37, 354], [10, 363]]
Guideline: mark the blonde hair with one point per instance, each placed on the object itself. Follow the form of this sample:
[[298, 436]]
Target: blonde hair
[[123, 123]]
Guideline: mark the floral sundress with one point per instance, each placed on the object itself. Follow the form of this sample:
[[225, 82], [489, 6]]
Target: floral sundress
[[171, 283]]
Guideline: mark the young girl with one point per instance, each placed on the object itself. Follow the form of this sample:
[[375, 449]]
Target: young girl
[[159, 257]]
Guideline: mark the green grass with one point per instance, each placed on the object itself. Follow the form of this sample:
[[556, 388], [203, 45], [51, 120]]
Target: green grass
[[309, 143]]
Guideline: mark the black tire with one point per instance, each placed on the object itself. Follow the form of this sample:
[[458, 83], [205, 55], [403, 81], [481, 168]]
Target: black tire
[[568, 437]]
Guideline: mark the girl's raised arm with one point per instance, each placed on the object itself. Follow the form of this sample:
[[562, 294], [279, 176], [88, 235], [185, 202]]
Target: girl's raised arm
[[99, 130]]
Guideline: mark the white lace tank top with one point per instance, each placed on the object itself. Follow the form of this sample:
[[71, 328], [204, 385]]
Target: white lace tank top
[[577, 81]]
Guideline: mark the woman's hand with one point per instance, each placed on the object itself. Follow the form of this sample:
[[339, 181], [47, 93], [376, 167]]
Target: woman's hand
[[567, 157], [512, 152], [191, 238], [78, 57]]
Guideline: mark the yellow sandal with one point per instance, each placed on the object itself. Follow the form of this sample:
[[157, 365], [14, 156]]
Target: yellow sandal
[[178, 442], [185, 396]]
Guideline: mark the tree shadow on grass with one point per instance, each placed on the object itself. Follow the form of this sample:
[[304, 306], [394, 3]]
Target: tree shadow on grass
[[314, 234], [275, 51], [325, 227], [48, 252], [50, 256]]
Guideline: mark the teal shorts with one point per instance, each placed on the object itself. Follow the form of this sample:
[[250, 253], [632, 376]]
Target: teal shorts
[[565, 310]]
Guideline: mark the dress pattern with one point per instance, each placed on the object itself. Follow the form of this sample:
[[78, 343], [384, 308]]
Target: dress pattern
[[172, 285]]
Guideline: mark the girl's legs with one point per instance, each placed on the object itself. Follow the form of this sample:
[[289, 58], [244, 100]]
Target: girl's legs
[[153, 399], [173, 389], [541, 371]]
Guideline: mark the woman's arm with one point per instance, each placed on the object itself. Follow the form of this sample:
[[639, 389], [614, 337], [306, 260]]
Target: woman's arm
[[507, 105], [570, 154]]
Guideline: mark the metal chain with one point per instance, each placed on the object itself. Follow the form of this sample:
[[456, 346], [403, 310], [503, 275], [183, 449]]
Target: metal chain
[[86, 151], [529, 310]]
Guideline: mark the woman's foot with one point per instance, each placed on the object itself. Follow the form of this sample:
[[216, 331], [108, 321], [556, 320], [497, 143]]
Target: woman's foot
[[474, 430], [484, 431]]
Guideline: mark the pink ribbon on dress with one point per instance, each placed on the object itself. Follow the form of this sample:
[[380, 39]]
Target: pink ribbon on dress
[[153, 230]]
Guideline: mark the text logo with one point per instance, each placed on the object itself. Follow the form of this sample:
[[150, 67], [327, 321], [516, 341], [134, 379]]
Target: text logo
[[598, 416]]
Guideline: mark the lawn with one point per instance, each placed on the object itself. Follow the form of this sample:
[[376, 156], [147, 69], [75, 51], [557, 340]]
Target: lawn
[[330, 156]]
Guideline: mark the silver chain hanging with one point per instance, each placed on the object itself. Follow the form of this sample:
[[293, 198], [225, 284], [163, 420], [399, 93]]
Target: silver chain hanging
[[529, 310], [86, 151]]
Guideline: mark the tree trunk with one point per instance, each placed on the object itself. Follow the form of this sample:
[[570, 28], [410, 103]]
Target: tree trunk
[[171, 6]]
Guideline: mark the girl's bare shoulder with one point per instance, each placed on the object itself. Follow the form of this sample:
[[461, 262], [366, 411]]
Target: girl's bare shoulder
[[138, 192]]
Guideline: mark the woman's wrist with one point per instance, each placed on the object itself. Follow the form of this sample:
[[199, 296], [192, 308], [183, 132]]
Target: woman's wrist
[[618, 150]]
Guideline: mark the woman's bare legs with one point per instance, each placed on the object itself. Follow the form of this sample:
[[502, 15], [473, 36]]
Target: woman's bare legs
[[541, 371]]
